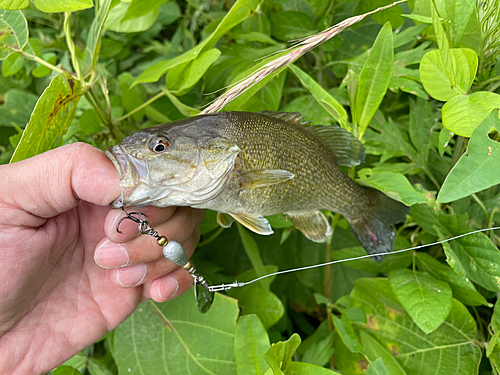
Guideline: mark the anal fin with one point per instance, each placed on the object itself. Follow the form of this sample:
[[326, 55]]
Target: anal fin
[[224, 220], [313, 225], [257, 224]]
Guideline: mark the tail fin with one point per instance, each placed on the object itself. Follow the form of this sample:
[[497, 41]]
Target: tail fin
[[374, 229]]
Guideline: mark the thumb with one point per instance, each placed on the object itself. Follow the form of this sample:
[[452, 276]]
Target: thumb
[[55, 181]]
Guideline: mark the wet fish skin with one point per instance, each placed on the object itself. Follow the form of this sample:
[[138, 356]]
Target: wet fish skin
[[249, 165]]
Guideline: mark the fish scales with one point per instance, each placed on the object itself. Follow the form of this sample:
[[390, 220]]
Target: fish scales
[[269, 143], [250, 165]]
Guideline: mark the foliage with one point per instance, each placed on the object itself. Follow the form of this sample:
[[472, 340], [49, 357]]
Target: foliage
[[416, 83]]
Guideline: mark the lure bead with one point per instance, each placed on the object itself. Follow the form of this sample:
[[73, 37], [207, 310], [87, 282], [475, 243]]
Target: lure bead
[[162, 241]]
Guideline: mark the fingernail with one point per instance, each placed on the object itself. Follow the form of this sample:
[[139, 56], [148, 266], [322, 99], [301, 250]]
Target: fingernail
[[131, 276], [111, 255], [167, 287]]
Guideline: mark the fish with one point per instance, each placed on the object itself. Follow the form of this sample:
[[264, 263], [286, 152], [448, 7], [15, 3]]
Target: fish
[[247, 166]]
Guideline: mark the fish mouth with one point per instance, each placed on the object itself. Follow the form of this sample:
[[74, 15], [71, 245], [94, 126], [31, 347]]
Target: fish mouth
[[118, 158], [129, 171]]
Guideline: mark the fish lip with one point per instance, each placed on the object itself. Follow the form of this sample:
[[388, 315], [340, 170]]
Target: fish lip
[[119, 159], [119, 163]]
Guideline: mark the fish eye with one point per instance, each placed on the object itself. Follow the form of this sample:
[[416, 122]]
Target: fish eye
[[159, 145]]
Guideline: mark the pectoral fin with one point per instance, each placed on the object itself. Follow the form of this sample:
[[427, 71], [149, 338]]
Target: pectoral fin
[[224, 220], [263, 177], [313, 225], [257, 224]]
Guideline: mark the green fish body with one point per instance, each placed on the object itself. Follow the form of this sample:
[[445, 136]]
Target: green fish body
[[249, 165]]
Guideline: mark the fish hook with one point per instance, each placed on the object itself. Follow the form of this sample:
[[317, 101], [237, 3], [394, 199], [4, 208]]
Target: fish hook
[[130, 217]]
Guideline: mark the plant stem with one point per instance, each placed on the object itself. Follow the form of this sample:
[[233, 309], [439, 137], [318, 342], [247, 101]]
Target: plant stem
[[494, 87], [100, 114], [211, 238], [107, 114], [431, 177], [143, 105], [481, 204], [37, 59], [71, 46], [328, 282], [459, 147], [487, 82], [491, 221]]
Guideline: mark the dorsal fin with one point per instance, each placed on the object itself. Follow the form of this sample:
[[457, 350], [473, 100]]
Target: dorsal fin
[[347, 149], [293, 117]]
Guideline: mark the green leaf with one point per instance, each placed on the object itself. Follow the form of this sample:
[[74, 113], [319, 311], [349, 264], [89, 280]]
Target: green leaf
[[79, 361], [255, 36], [139, 8], [422, 121], [115, 20], [250, 344], [319, 352], [473, 172], [12, 64], [451, 348], [98, 368], [94, 36], [463, 114], [17, 109], [346, 333], [256, 299], [131, 97], [66, 370], [90, 123], [493, 342], [426, 299], [14, 4], [463, 289], [495, 318], [375, 77], [322, 96], [309, 107], [347, 362], [55, 6], [475, 257], [374, 350], [463, 12], [436, 79], [181, 78], [174, 335], [291, 25], [252, 251], [443, 44], [13, 32], [279, 356], [186, 110], [241, 10], [41, 70], [392, 15], [265, 95], [50, 119], [377, 368], [301, 368], [395, 185]]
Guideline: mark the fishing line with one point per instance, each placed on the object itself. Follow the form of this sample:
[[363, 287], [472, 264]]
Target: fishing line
[[236, 284]]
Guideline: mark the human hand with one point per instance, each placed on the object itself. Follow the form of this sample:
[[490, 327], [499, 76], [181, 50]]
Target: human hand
[[54, 217]]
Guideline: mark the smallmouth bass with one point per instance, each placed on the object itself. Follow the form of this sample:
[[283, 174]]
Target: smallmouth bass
[[249, 165]]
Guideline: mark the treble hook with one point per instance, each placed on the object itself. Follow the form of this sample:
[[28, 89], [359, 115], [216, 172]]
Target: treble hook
[[130, 217]]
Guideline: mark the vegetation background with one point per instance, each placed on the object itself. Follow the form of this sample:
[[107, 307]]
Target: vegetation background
[[416, 83]]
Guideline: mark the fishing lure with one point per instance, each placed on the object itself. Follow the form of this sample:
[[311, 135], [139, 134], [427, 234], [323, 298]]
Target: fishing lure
[[174, 252]]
